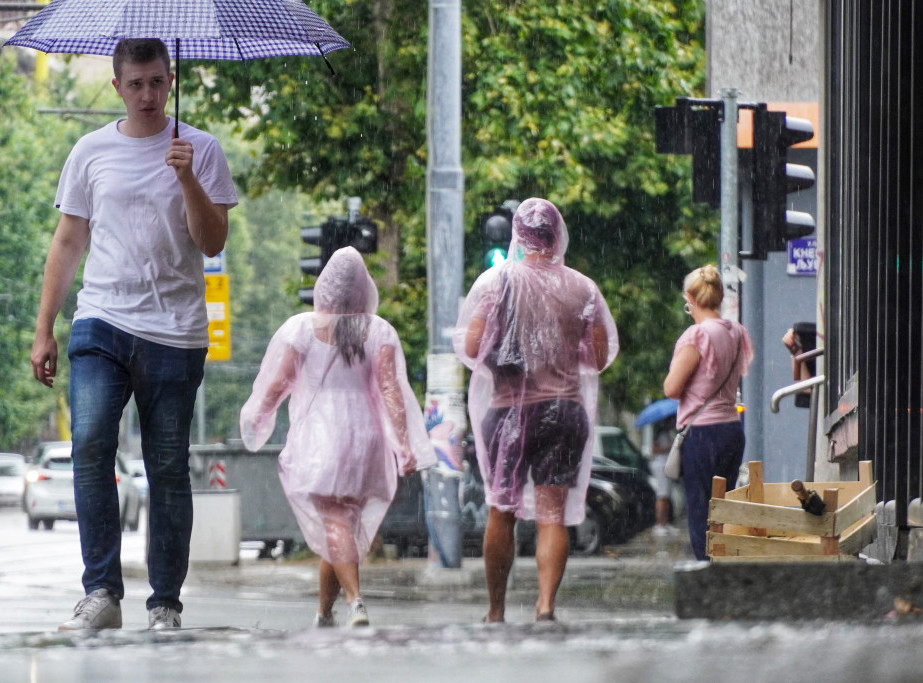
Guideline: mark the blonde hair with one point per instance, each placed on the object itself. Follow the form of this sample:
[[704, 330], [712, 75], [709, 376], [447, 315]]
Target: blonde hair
[[704, 287]]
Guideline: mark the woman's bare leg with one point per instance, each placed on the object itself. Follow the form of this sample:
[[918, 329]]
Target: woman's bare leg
[[499, 551], [552, 546]]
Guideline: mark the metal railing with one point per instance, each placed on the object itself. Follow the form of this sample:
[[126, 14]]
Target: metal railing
[[806, 384]]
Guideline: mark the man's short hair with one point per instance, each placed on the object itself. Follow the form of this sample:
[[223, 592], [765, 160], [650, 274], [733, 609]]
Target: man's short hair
[[139, 51]]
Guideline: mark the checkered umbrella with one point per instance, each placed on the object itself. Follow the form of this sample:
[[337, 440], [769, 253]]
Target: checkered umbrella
[[206, 29]]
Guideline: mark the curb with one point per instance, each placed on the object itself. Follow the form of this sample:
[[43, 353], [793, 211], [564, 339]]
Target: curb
[[638, 575]]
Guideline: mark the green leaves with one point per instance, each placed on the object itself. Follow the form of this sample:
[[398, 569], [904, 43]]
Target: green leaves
[[28, 178], [557, 101]]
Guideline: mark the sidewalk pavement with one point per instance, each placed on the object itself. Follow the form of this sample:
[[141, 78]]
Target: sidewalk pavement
[[637, 575]]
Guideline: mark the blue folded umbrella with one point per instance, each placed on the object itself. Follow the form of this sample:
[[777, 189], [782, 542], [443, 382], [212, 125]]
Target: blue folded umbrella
[[657, 411]]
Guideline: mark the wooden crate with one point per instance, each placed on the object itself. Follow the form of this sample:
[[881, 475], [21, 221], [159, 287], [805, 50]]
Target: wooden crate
[[765, 522]]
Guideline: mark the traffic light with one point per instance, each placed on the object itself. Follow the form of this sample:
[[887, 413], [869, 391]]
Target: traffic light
[[355, 231], [694, 128], [326, 238], [773, 178], [364, 235], [497, 233]]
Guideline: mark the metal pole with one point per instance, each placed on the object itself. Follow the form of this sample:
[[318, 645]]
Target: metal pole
[[729, 254], [445, 401]]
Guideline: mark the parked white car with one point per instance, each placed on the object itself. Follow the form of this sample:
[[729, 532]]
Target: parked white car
[[139, 475], [49, 490], [12, 468]]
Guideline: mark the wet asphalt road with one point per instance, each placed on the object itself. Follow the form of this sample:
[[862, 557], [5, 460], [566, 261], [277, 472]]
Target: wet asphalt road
[[258, 629]]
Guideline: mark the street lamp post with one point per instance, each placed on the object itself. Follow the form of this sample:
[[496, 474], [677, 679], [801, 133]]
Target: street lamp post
[[445, 401]]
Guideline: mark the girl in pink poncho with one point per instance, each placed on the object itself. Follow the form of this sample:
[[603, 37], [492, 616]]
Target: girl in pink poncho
[[535, 334], [354, 421]]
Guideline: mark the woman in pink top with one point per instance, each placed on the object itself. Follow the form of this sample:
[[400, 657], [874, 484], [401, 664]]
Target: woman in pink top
[[354, 424], [535, 334], [709, 359]]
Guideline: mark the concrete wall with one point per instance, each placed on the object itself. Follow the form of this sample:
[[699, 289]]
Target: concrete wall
[[749, 43], [768, 50]]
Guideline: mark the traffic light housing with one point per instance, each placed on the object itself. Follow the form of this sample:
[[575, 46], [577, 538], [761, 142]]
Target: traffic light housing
[[695, 130], [356, 231], [497, 231], [773, 179], [326, 238]]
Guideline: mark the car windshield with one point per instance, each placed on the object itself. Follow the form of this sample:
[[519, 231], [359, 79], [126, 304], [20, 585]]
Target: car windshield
[[10, 469], [617, 447], [59, 463]]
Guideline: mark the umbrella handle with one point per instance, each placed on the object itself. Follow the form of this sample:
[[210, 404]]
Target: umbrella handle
[[326, 61], [176, 96]]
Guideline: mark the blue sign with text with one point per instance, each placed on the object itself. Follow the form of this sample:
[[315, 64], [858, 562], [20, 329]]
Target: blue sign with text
[[802, 256]]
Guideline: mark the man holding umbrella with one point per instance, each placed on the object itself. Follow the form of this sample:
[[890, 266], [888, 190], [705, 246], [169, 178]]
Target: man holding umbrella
[[149, 205]]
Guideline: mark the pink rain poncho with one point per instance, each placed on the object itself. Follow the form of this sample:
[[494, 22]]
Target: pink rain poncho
[[352, 425], [535, 334]]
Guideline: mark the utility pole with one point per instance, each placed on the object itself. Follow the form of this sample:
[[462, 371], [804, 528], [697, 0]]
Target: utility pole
[[729, 257], [446, 416]]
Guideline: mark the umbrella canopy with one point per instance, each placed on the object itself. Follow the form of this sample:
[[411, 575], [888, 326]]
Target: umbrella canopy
[[193, 29], [657, 411], [208, 29]]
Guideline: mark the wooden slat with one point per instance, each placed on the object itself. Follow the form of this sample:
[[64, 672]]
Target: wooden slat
[[829, 542], [854, 510], [859, 535], [718, 488], [794, 520], [782, 494], [755, 494], [741, 493], [763, 547]]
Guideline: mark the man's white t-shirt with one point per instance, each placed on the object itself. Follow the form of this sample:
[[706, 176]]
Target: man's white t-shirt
[[143, 272]]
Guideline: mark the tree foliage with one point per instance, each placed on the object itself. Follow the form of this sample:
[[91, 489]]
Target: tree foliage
[[34, 148], [557, 101]]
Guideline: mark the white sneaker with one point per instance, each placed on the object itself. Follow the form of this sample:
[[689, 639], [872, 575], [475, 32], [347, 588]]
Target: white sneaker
[[664, 530], [320, 621], [161, 618], [358, 616], [99, 610]]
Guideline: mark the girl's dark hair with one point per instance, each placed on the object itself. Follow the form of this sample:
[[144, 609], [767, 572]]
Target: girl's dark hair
[[349, 334]]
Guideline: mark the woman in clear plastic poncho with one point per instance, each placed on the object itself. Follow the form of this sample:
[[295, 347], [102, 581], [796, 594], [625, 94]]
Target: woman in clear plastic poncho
[[354, 421], [535, 334]]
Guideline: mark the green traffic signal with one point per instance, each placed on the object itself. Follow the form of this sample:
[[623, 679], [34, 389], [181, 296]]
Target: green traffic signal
[[494, 257], [496, 233]]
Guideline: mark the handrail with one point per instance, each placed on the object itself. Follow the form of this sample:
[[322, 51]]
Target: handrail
[[808, 355], [795, 388]]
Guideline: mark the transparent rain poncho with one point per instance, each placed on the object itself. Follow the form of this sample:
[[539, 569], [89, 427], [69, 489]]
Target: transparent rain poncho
[[354, 422], [531, 330]]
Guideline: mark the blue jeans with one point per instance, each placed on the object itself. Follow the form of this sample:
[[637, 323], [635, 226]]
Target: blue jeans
[[107, 366], [708, 451]]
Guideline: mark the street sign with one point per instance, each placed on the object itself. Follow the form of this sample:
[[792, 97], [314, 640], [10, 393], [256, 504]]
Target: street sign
[[218, 305], [802, 257], [214, 264]]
